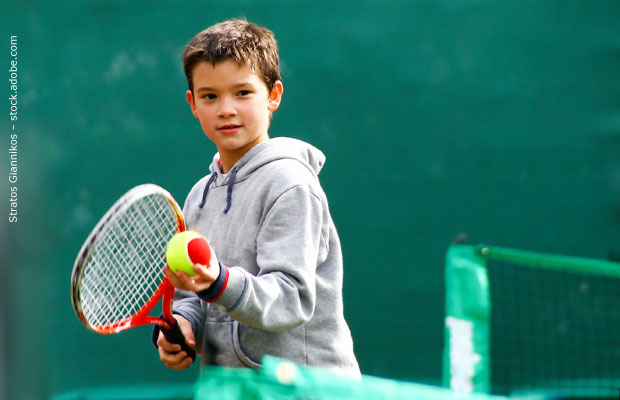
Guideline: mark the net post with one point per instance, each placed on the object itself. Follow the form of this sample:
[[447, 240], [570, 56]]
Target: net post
[[466, 358]]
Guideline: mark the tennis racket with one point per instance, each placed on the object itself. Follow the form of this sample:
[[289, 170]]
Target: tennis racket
[[118, 275]]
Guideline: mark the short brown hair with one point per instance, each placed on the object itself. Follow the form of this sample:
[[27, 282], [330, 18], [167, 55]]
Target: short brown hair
[[239, 40]]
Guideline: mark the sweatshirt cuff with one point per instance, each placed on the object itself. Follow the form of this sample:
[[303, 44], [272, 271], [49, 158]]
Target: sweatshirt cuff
[[236, 289], [217, 288]]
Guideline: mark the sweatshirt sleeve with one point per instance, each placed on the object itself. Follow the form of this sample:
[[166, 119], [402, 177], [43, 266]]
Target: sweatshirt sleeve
[[283, 294]]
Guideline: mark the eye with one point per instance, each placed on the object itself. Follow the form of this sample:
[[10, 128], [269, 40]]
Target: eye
[[209, 96], [243, 92]]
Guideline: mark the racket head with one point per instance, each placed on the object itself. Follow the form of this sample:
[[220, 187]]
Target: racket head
[[118, 274]]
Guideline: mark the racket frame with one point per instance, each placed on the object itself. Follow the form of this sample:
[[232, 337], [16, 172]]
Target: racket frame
[[165, 289]]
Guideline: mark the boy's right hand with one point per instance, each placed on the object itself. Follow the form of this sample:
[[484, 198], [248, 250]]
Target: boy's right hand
[[169, 353]]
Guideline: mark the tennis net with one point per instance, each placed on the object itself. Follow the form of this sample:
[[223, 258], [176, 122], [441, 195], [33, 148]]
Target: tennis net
[[521, 322]]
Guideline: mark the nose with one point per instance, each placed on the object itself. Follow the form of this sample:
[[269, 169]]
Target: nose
[[226, 107]]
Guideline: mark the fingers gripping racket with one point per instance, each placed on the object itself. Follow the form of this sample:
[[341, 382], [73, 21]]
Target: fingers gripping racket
[[118, 276]]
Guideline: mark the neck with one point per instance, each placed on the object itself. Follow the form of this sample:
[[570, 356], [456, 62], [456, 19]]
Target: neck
[[227, 162], [228, 158]]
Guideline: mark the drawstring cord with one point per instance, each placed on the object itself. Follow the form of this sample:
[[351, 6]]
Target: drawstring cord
[[229, 190], [231, 182], [204, 193]]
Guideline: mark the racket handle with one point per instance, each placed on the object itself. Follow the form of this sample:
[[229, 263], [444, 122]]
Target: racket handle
[[174, 335]]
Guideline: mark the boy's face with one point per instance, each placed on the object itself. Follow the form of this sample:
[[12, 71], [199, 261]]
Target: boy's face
[[233, 105]]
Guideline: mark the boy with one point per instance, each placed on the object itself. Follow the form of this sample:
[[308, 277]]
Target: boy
[[274, 285]]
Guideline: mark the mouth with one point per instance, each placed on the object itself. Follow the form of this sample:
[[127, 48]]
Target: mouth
[[229, 129]]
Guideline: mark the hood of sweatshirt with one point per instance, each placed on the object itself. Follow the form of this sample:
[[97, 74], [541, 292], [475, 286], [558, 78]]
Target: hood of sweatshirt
[[260, 155]]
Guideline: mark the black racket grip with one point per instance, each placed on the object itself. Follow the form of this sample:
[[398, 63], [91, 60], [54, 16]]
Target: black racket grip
[[174, 335]]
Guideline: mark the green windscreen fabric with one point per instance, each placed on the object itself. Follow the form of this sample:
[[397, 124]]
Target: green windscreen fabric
[[283, 380], [152, 391], [278, 379], [553, 324]]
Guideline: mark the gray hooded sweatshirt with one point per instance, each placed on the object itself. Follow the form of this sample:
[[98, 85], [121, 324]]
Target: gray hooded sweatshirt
[[280, 286]]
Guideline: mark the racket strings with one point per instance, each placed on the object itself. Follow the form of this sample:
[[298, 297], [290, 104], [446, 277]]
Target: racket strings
[[126, 265]]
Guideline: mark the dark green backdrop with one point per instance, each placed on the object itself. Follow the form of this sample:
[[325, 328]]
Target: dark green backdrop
[[492, 117]]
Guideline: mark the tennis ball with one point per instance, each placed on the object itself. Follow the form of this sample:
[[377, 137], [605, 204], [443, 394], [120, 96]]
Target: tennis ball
[[186, 249]]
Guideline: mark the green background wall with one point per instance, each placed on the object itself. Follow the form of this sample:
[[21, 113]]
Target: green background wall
[[492, 117]]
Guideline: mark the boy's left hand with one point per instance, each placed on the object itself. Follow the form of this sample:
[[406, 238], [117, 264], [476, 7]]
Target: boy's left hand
[[204, 278]]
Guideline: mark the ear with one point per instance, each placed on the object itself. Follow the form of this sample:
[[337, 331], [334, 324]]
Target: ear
[[275, 97], [192, 104]]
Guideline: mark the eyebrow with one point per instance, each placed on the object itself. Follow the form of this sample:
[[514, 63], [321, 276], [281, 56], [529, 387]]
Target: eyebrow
[[210, 89]]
